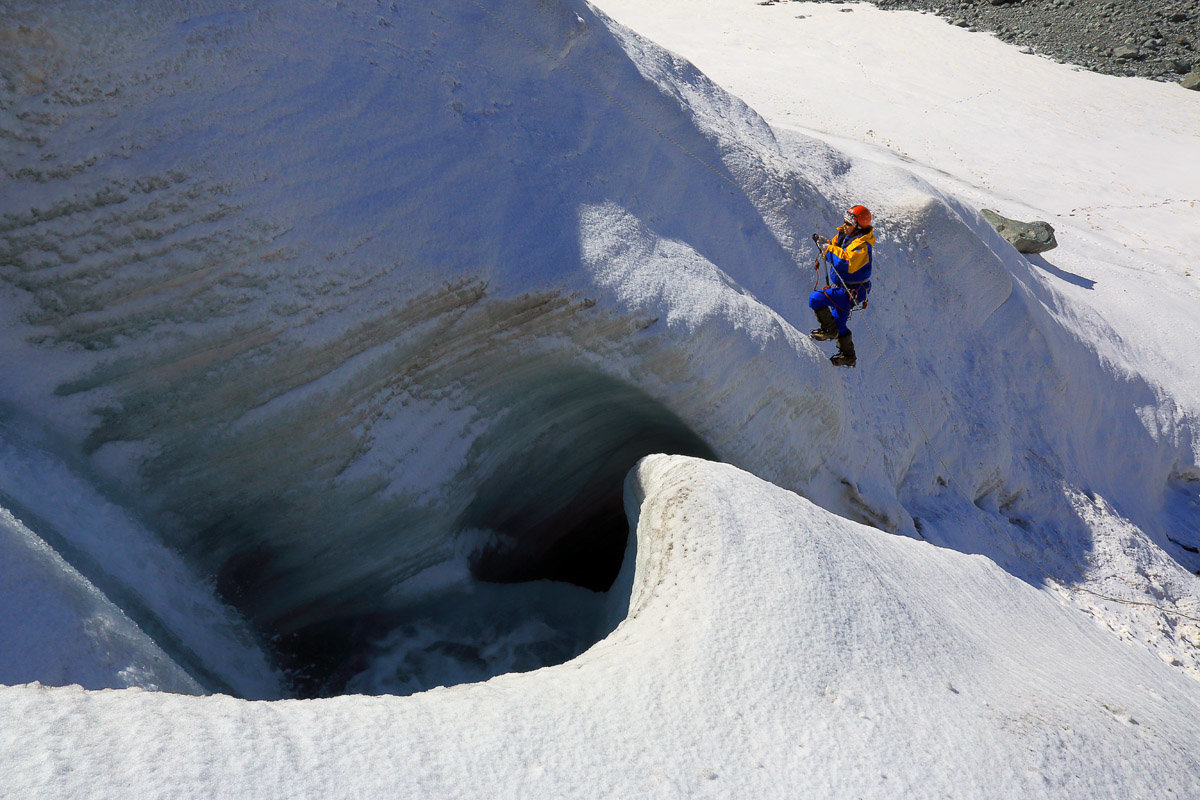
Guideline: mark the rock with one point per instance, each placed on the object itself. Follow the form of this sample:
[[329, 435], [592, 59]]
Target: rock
[[1181, 67], [1026, 237], [1127, 52], [1191, 81], [1083, 32]]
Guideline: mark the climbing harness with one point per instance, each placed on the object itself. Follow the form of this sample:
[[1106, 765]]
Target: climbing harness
[[852, 289]]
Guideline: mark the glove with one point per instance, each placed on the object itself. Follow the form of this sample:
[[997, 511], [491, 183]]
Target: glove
[[820, 240]]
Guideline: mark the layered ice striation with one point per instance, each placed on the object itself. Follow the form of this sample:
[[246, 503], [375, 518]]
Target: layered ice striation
[[315, 309], [366, 310]]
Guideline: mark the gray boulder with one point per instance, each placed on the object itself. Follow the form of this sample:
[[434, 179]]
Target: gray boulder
[[1191, 81], [1027, 237]]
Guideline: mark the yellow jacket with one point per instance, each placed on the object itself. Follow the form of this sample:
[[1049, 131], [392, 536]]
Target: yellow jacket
[[850, 258]]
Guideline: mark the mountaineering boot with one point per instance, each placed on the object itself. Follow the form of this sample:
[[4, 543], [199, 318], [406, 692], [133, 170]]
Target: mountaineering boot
[[828, 329], [844, 357]]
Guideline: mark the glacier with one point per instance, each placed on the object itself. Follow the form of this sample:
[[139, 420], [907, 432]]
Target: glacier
[[332, 331]]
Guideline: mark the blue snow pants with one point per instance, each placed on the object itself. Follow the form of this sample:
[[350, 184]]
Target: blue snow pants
[[837, 299]]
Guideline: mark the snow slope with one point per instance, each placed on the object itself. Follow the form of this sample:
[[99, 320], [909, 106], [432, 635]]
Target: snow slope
[[350, 306], [1116, 177], [42, 594], [1109, 161], [61, 627]]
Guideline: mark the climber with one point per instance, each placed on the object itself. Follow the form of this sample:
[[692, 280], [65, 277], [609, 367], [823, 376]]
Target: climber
[[849, 260]]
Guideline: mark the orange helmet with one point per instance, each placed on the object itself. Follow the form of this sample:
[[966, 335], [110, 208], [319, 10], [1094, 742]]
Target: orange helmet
[[860, 216]]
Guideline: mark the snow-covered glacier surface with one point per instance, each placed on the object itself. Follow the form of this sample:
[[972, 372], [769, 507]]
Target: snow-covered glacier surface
[[329, 333]]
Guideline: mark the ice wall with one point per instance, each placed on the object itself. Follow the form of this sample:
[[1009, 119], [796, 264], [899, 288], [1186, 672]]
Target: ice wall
[[304, 287]]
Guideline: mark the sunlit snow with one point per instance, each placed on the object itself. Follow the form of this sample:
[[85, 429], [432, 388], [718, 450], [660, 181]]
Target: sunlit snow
[[350, 350]]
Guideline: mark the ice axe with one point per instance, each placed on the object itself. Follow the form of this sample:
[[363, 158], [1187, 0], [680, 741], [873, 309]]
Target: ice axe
[[820, 241]]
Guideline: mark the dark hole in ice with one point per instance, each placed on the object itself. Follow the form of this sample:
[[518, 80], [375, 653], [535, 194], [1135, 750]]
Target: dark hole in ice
[[557, 509], [547, 480]]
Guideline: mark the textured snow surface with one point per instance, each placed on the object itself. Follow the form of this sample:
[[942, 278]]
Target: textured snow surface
[[314, 314]]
